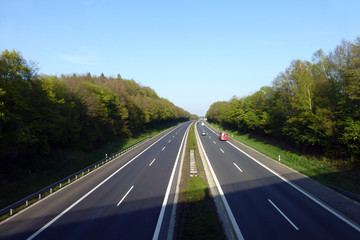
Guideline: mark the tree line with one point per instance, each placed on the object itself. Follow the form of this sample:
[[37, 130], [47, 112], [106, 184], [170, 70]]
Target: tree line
[[39, 113], [313, 105]]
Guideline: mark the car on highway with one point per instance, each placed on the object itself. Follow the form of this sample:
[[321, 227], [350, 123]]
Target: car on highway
[[223, 136], [203, 133]]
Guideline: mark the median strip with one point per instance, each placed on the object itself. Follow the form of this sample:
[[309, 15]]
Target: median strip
[[199, 218]]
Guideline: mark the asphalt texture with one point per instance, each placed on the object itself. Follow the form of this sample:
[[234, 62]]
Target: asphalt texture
[[271, 201], [124, 199]]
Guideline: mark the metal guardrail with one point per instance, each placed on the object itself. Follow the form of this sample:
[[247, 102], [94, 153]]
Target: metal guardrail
[[345, 193], [29, 200]]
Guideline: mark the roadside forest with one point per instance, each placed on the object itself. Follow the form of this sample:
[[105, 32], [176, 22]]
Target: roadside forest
[[312, 106], [41, 113]]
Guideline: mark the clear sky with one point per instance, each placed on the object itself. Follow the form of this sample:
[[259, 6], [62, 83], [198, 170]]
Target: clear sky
[[192, 52]]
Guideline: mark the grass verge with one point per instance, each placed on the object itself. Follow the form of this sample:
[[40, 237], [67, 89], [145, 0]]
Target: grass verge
[[199, 219], [316, 167]]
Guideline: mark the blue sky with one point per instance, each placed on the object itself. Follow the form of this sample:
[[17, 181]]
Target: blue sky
[[192, 52]]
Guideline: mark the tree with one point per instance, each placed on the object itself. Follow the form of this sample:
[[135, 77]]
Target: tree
[[313, 105], [217, 112], [15, 132], [14, 68], [40, 114]]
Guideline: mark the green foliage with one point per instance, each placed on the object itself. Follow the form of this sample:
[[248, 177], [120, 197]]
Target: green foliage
[[312, 105], [2, 115], [39, 114], [351, 135], [14, 68]]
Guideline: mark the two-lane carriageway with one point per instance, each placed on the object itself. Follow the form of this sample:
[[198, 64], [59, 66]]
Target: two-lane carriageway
[[265, 205], [131, 197]]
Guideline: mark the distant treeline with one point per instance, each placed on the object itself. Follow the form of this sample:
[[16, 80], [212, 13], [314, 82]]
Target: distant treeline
[[40, 113], [314, 105]]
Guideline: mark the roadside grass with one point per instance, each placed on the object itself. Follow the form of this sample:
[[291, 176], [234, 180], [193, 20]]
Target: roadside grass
[[316, 167], [199, 218], [61, 164]]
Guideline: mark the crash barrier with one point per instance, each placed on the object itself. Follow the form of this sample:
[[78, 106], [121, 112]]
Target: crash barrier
[[344, 192], [29, 200]]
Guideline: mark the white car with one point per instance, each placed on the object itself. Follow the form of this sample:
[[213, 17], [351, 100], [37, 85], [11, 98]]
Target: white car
[[203, 134]]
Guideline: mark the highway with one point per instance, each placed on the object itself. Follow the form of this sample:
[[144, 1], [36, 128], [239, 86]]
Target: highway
[[264, 204], [131, 197]]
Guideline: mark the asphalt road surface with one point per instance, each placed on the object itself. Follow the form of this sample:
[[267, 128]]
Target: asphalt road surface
[[266, 205], [129, 198]]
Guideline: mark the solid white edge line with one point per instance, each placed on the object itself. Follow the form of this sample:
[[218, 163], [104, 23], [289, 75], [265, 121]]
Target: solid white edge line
[[163, 207], [223, 198], [283, 214], [125, 196], [302, 191], [170, 234], [87, 194], [152, 162], [238, 167]]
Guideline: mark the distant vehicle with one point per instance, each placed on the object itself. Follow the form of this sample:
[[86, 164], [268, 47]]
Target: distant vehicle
[[223, 136], [202, 123], [203, 133]]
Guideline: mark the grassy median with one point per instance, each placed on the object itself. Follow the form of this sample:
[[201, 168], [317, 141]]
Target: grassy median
[[199, 218]]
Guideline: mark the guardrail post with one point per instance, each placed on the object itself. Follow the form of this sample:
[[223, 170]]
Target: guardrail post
[[60, 185], [68, 180], [76, 177], [82, 174], [88, 170], [50, 190], [39, 196], [11, 212], [279, 158], [27, 203]]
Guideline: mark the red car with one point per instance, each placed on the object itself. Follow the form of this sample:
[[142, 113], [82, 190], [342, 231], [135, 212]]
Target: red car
[[223, 136]]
